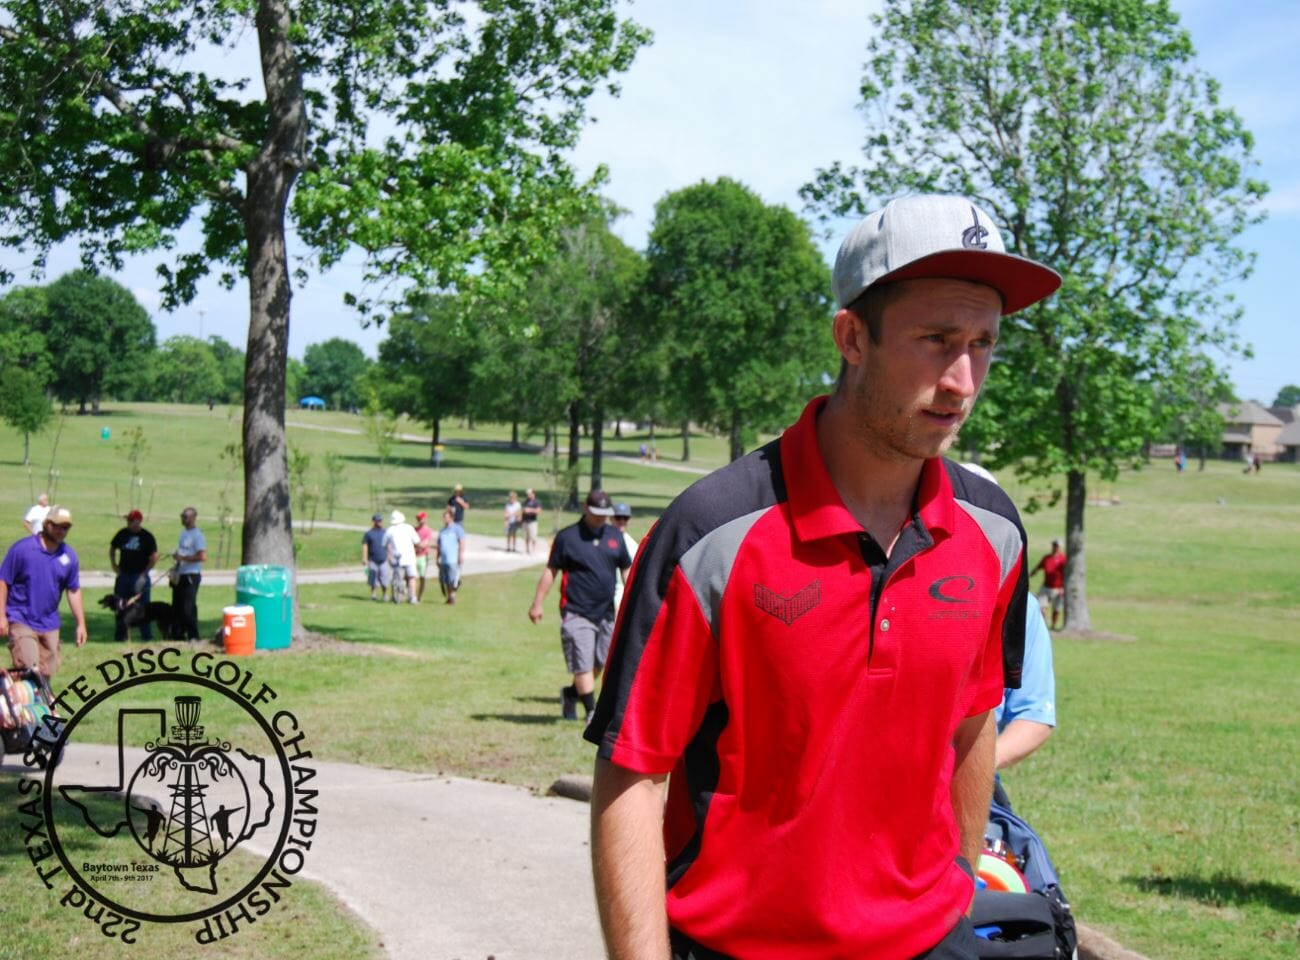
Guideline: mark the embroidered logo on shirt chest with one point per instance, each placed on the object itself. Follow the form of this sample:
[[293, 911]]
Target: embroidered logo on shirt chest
[[791, 608]]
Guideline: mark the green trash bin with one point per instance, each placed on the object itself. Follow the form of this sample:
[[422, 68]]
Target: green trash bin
[[268, 590]]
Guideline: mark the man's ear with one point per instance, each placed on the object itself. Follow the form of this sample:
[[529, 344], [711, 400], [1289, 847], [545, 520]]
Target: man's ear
[[849, 333]]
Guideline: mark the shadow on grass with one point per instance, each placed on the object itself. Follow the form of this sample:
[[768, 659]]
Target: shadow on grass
[[526, 719], [551, 700], [1223, 889]]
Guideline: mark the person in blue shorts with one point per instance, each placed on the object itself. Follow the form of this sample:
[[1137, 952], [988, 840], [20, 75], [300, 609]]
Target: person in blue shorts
[[451, 554]]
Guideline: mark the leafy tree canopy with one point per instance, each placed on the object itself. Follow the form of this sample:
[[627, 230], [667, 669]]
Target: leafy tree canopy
[[23, 404], [425, 366], [1288, 396], [186, 371], [743, 297], [431, 136], [1101, 148], [334, 370], [100, 337]]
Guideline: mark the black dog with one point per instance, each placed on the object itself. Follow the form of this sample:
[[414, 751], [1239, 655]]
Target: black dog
[[132, 613]]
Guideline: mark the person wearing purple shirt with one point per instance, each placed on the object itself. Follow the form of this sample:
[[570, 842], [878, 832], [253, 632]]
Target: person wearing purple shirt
[[35, 573]]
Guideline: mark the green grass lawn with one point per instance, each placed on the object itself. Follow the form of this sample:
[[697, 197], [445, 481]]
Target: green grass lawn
[[1168, 796]]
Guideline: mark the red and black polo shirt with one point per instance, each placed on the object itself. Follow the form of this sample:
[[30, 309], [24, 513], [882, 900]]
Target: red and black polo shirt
[[803, 690]]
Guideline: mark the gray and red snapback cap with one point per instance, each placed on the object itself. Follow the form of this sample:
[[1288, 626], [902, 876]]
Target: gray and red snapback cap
[[937, 237]]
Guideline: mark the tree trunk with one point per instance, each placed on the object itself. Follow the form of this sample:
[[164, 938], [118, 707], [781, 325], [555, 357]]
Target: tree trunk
[[268, 526], [1201, 468], [1076, 593], [575, 428], [597, 448], [618, 428], [686, 440], [27, 449], [514, 434], [737, 448], [434, 438]]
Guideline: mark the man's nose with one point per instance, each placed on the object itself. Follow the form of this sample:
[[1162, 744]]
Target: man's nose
[[959, 377]]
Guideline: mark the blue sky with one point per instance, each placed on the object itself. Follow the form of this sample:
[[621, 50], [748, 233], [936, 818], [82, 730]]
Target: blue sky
[[764, 91]]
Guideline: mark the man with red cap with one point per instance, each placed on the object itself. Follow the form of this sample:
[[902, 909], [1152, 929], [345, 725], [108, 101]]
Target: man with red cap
[[132, 553], [815, 637]]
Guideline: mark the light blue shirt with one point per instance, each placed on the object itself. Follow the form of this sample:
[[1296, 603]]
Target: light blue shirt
[[1036, 698], [190, 543]]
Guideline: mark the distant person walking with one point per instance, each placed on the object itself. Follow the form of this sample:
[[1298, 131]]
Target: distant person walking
[[402, 541], [590, 555], [622, 517], [132, 554], [422, 551], [458, 503], [532, 512], [451, 554], [1052, 592], [374, 557], [190, 553], [36, 572], [514, 519], [35, 516]]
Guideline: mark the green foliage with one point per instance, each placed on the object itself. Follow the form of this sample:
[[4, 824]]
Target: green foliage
[[426, 362], [1089, 133], [739, 297], [1288, 396], [472, 109], [431, 137], [565, 343], [230, 367], [24, 405], [24, 313], [333, 371], [103, 337], [1103, 151], [186, 370]]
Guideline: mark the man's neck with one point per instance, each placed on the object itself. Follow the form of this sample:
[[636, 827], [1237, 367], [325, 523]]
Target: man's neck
[[878, 489], [48, 545]]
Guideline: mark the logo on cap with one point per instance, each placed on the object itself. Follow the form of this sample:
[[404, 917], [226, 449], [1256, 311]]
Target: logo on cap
[[974, 236]]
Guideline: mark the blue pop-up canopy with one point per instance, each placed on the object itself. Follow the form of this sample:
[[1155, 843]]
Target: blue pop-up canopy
[[312, 403]]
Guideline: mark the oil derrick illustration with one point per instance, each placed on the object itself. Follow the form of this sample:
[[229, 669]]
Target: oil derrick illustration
[[188, 842]]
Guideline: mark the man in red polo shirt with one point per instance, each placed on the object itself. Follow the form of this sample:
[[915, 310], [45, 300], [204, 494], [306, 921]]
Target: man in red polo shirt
[[1052, 592], [814, 639]]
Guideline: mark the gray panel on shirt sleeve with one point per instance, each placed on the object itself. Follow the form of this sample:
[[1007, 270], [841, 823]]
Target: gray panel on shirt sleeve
[[1001, 532], [707, 565]]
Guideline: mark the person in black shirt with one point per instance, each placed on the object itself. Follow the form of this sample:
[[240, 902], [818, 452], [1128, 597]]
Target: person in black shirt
[[591, 555], [132, 553], [458, 503]]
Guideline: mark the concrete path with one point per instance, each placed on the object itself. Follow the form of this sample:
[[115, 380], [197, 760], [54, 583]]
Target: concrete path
[[482, 555], [442, 868]]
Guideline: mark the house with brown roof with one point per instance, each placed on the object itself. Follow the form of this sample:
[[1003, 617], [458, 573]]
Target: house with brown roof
[[1289, 441], [1250, 429]]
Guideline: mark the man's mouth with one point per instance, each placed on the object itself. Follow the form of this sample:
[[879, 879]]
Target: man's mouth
[[944, 417]]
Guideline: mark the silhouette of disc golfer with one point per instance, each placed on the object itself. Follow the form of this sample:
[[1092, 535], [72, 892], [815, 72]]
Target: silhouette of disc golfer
[[154, 821], [221, 820]]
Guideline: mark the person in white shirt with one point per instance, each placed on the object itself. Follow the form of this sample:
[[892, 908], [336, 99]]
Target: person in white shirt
[[622, 516], [402, 541], [514, 519], [35, 517]]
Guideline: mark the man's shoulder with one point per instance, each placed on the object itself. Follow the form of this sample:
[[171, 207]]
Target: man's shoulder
[[979, 492], [745, 486]]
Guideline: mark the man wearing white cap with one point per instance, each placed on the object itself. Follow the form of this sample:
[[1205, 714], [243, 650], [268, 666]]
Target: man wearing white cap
[[815, 639], [402, 541], [36, 572]]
